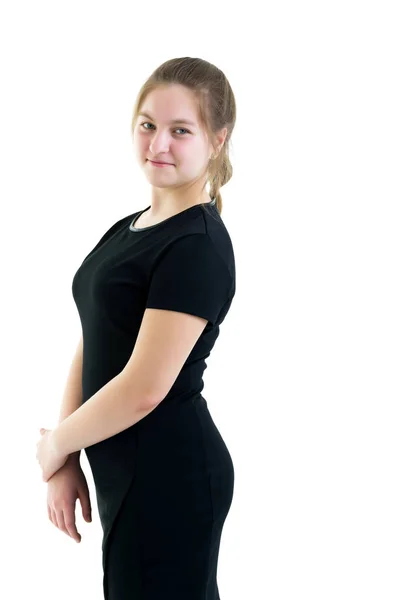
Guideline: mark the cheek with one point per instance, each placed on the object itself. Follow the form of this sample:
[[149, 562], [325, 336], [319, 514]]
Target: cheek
[[138, 152], [141, 148], [140, 140]]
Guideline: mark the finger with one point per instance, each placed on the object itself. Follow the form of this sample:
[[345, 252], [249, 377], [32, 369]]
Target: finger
[[84, 499], [70, 524], [61, 521], [53, 517]]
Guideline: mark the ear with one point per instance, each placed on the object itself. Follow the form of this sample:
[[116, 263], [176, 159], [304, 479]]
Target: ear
[[220, 139], [221, 135]]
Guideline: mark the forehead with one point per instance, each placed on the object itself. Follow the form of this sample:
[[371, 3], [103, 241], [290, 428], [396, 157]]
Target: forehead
[[172, 104]]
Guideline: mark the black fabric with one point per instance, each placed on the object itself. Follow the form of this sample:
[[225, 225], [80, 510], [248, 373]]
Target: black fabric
[[165, 485], [191, 278]]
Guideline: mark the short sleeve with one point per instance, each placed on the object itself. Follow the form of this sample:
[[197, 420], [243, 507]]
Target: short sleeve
[[191, 277]]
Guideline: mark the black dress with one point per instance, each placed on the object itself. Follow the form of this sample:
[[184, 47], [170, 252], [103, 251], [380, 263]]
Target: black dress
[[164, 486]]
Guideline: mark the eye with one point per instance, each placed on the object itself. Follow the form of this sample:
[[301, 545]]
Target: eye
[[178, 129], [182, 129]]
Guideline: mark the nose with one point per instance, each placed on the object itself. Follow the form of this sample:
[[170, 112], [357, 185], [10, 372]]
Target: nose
[[159, 143]]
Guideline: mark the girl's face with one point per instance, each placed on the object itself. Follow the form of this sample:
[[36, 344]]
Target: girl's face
[[167, 129]]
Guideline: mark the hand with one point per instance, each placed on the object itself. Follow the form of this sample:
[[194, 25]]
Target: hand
[[63, 490], [48, 455]]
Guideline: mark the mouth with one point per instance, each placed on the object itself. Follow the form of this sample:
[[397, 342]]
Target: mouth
[[155, 162]]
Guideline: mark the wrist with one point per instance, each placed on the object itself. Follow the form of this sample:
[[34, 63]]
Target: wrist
[[74, 457], [57, 443]]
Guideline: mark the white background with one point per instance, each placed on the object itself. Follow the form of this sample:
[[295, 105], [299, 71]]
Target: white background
[[303, 382]]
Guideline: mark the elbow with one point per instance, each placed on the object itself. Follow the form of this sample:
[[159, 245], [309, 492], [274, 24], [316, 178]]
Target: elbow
[[137, 392]]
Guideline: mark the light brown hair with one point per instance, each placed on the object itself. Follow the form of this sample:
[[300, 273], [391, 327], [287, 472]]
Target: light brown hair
[[216, 109]]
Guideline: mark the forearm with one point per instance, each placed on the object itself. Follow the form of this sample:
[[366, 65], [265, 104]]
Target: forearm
[[73, 395], [112, 409]]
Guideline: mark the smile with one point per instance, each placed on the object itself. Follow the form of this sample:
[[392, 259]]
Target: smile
[[155, 164]]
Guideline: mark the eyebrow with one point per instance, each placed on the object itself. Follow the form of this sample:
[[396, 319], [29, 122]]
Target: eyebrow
[[186, 121]]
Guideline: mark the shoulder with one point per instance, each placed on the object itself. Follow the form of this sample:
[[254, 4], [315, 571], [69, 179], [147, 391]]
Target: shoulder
[[198, 251]]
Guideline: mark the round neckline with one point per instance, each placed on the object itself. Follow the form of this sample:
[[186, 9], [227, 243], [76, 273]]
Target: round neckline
[[138, 229]]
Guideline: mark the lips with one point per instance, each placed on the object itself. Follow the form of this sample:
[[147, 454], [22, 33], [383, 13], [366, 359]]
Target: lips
[[159, 162]]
